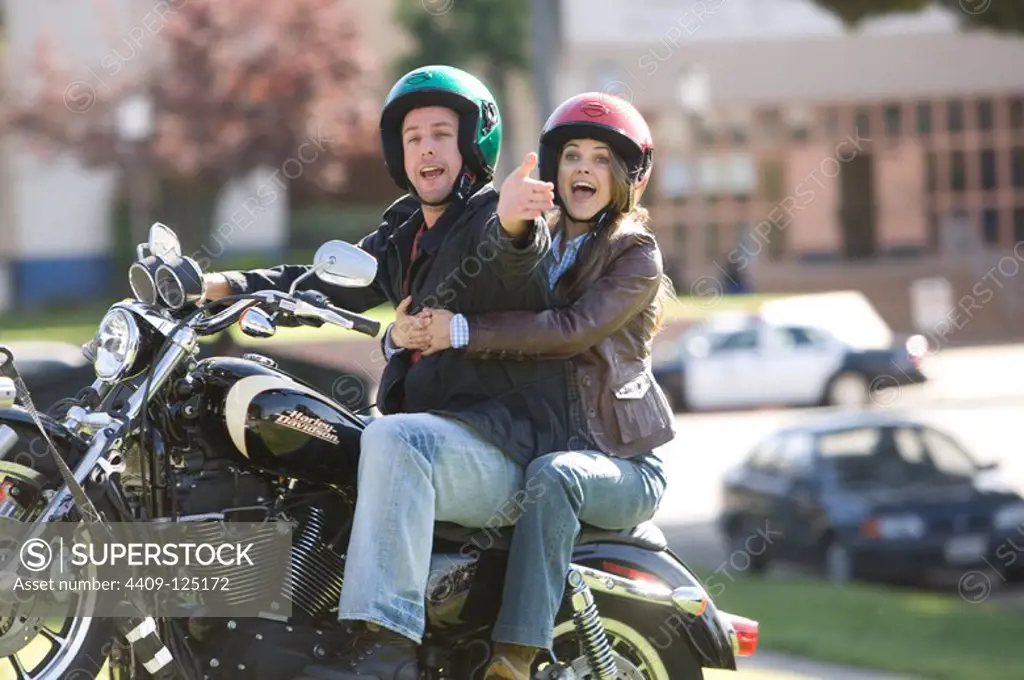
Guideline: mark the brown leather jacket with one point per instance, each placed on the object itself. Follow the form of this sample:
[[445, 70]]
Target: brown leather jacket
[[605, 321]]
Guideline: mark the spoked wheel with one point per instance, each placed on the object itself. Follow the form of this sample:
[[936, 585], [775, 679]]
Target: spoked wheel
[[38, 649], [644, 647], [47, 647]]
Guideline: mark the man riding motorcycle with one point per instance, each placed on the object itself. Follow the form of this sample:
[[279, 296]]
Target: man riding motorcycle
[[463, 430]]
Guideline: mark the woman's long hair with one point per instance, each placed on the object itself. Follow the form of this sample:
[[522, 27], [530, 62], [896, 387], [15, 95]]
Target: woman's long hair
[[595, 255]]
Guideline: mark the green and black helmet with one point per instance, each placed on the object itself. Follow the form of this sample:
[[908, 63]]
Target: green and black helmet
[[479, 120]]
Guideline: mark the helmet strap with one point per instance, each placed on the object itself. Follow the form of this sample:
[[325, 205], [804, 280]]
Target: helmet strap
[[597, 220]]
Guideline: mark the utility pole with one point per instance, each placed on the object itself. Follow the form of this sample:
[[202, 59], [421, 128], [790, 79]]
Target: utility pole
[[544, 15]]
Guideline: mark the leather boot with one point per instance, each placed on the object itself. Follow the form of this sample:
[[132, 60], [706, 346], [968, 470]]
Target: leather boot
[[511, 662], [377, 654]]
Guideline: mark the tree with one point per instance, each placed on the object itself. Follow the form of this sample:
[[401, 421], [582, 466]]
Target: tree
[[238, 84], [486, 37], [996, 15]]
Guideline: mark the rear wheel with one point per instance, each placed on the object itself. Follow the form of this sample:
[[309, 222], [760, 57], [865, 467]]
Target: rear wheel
[[741, 549], [849, 389], [647, 643]]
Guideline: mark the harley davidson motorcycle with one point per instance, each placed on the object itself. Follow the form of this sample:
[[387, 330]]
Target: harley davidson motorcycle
[[164, 435]]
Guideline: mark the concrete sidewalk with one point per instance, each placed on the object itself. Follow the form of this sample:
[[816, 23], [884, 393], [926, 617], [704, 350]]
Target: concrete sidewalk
[[773, 666]]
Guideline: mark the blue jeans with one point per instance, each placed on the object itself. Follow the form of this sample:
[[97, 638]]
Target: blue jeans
[[562, 490], [415, 469]]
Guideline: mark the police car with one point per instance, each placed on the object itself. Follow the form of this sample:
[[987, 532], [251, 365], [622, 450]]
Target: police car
[[751, 361]]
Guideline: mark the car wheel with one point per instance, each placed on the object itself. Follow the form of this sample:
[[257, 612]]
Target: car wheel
[[838, 563], [741, 551], [849, 390]]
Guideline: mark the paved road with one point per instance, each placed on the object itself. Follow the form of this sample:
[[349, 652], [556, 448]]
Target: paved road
[[976, 397], [708, 445]]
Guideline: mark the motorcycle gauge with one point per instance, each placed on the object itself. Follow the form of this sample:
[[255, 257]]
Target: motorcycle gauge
[[180, 282], [142, 278]]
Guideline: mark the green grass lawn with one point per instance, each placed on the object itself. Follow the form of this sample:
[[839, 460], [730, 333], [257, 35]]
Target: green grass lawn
[[927, 635], [77, 325]]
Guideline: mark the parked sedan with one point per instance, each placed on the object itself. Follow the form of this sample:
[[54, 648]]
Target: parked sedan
[[866, 495], [748, 362]]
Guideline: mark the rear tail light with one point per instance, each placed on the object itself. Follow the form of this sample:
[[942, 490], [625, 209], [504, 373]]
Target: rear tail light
[[746, 631]]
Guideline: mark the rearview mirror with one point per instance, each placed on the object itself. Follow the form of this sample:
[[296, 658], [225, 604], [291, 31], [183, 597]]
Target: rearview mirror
[[343, 264], [257, 324]]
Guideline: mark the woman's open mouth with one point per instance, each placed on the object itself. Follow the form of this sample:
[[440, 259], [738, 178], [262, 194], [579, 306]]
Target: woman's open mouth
[[583, 191]]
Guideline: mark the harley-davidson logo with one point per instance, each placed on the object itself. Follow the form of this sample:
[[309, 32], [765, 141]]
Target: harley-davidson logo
[[315, 427]]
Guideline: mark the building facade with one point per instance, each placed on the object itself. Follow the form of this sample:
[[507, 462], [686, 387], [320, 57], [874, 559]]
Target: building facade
[[795, 156]]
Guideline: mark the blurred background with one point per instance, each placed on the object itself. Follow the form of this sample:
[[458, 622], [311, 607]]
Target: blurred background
[[838, 193]]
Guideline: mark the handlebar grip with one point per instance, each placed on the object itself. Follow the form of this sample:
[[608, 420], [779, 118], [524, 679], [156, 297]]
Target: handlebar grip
[[360, 323]]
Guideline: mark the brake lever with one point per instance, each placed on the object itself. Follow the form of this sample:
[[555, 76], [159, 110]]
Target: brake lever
[[313, 297]]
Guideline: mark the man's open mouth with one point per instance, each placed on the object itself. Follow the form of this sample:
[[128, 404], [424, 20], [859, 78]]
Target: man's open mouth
[[431, 172]]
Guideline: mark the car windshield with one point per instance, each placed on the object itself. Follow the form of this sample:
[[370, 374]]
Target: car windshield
[[893, 456]]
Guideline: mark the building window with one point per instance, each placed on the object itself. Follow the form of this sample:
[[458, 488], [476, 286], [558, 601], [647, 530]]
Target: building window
[[705, 136], [862, 122], [1017, 167], [738, 135], [680, 240], [1017, 113], [957, 171], [772, 181], [1018, 225], [830, 122], [924, 118], [676, 180], [931, 164], [711, 241], [893, 120], [769, 125], [776, 241], [985, 115], [740, 177], [990, 226], [955, 116], [989, 172]]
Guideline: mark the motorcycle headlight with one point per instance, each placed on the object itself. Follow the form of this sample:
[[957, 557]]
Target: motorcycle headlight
[[1009, 517], [116, 345]]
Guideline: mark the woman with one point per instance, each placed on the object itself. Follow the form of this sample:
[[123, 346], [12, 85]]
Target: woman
[[605, 270]]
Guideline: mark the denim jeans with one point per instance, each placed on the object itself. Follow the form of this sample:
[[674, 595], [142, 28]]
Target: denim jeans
[[415, 469], [562, 490]]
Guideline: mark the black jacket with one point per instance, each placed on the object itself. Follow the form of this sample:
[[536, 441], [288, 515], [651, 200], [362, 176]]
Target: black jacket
[[466, 264]]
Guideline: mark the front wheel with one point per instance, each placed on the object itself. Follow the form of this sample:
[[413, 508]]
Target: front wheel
[[45, 647], [40, 649], [648, 643]]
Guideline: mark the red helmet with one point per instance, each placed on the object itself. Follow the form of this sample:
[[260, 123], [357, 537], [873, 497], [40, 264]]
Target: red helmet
[[605, 117]]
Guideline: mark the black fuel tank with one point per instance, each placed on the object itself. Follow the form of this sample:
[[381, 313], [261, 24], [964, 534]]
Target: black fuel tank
[[253, 412]]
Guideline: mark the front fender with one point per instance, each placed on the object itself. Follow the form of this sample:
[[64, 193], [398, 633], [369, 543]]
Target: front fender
[[31, 450], [707, 633]]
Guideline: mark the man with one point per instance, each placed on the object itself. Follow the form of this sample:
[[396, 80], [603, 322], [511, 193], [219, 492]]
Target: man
[[463, 429]]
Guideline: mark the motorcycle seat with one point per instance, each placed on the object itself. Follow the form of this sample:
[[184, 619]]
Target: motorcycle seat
[[646, 536]]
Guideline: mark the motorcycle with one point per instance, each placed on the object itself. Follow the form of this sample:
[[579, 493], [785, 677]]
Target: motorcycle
[[162, 434]]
